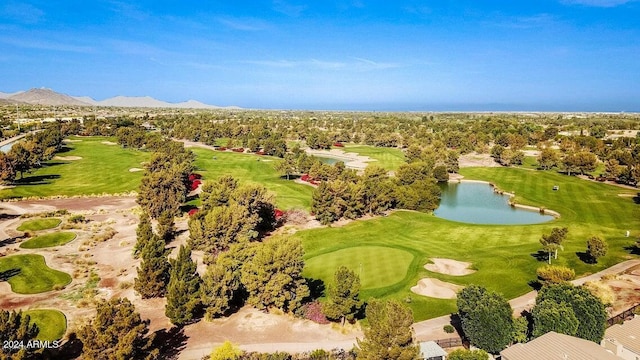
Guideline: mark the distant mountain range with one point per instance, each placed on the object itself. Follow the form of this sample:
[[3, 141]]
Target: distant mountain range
[[49, 97]]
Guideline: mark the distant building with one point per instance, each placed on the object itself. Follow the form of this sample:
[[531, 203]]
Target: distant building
[[429, 350], [624, 340], [554, 346]]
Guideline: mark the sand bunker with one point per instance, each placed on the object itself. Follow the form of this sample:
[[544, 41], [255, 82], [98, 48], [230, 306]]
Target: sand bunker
[[109, 143], [449, 267], [135, 169], [436, 289], [67, 158]]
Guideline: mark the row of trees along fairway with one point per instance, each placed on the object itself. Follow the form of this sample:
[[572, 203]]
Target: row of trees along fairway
[[572, 145], [31, 152], [351, 196]]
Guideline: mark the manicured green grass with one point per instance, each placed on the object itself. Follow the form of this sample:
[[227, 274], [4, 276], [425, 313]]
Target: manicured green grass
[[388, 158], [48, 240], [51, 323], [29, 274], [374, 271], [258, 169], [505, 256], [39, 224], [102, 169]]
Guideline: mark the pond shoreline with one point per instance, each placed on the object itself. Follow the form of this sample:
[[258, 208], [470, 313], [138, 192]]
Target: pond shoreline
[[541, 210]]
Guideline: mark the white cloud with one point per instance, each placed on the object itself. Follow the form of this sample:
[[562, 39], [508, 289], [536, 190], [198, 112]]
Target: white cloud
[[596, 3]]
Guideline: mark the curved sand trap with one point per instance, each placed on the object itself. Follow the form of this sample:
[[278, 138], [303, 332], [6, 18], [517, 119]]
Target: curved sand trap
[[109, 143], [67, 158], [135, 169], [436, 289], [449, 267]]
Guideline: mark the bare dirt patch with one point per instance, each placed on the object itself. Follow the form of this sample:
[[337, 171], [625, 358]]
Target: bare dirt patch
[[449, 267], [67, 158], [477, 160], [135, 169], [109, 143], [351, 160], [436, 289]]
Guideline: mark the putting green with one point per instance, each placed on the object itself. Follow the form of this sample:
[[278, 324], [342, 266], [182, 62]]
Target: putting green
[[48, 240], [51, 323], [29, 274], [378, 266], [39, 224]]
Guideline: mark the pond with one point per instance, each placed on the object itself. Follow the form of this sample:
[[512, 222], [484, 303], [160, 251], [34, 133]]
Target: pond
[[327, 160], [477, 203], [5, 148]]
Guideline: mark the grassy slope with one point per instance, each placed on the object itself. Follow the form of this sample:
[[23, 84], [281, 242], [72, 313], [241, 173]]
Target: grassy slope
[[102, 169], [48, 240], [34, 275], [246, 167], [503, 255], [51, 323], [388, 158], [39, 224]]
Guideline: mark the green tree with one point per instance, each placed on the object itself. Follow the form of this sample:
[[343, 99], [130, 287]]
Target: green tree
[[487, 319], [548, 159], [215, 230], [144, 234], [162, 191], [343, 301], [7, 170], [218, 193], [221, 282], [183, 291], [376, 193], [587, 308], [226, 351], [153, 272], [287, 166], [273, 276], [552, 242], [16, 327], [21, 158], [389, 335], [464, 354], [259, 203], [596, 248], [553, 274], [549, 315], [166, 226], [116, 332], [440, 173]]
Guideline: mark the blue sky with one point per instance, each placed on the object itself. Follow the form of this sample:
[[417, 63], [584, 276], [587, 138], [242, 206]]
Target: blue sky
[[545, 55]]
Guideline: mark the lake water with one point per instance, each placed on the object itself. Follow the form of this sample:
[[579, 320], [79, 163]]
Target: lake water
[[477, 203], [327, 160], [5, 148]]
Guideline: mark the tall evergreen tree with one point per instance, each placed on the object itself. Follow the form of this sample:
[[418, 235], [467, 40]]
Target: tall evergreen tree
[[273, 276], [183, 291], [15, 327], [153, 272], [144, 234], [221, 283], [343, 302], [389, 335], [116, 332]]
